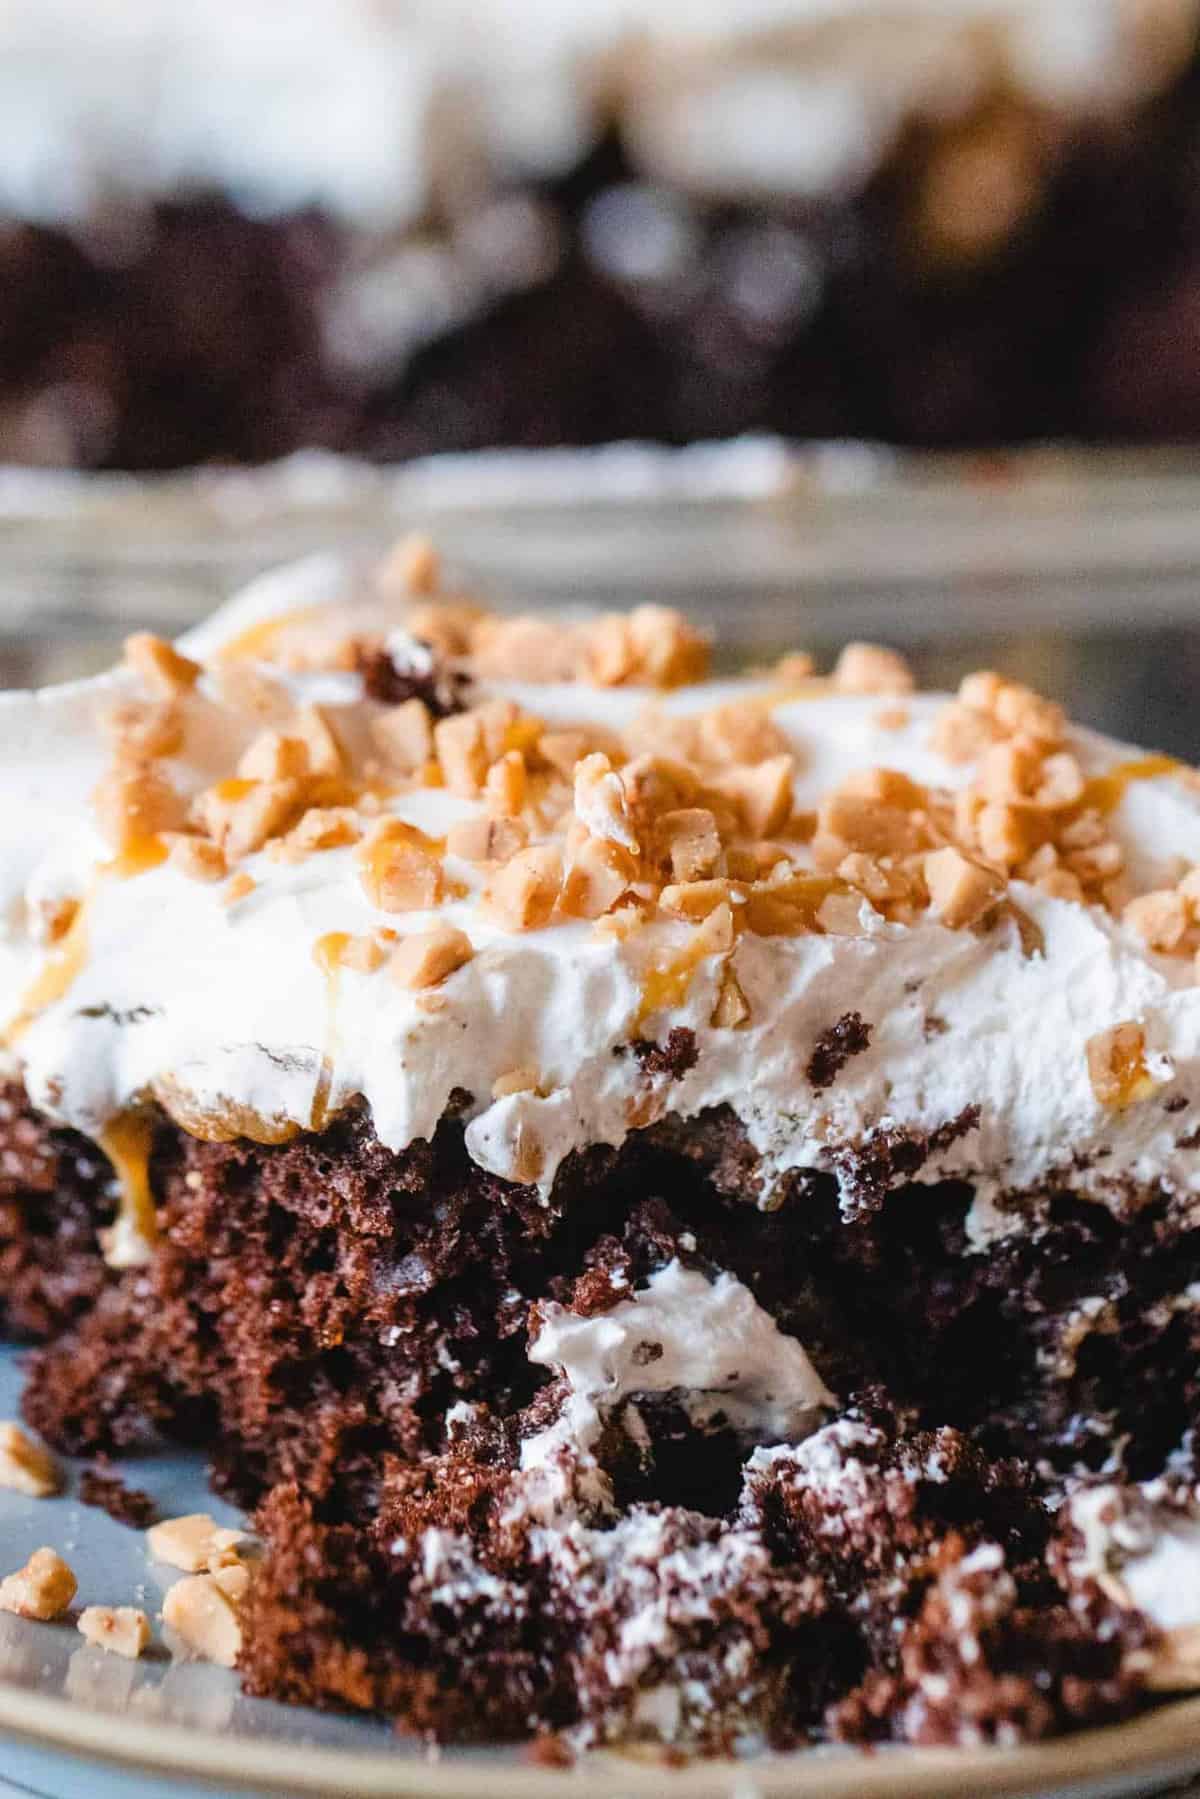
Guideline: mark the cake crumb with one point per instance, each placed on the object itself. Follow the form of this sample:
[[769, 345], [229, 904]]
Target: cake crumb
[[118, 1629], [850, 1036], [125, 1505], [42, 1589], [25, 1466]]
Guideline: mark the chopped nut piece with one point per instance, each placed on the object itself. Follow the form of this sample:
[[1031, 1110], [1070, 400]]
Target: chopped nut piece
[[134, 804], [690, 840], [597, 876], [652, 644], [242, 816], [877, 881], [411, 566], [1019, 708], [240, 885], [840, 915], [323, 828], [193, 1542], [563, 749], [234, 1579], [365, 955], [762, 795], [848, 820], [517, 1080], [43, 1588], [959, 891], [428, 957], [197, 857], [740, 733], [1162, 919], [668, 651], [121, 1629], [403, 735], [486, 839], [205, 1619], [506, 788], [869, 668], [962, 734], [1117, 1067], [462, 752], [399, 872], [601, 802], [732, 1009], [251, 692], [981, 690], [273, 757], [143, 730], [325, 754], [1007, 834], [1060, 883], [694, 899], [160, 664], [25, 1467], [713, 936], [523, 893]]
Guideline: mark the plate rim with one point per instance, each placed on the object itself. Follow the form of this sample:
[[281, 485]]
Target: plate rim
[[1158, 1744]]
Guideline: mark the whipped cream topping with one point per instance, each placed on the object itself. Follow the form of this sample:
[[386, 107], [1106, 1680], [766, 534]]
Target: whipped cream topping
[[1144, 1546], [710, 1342], [229, 1014], [425, 102]]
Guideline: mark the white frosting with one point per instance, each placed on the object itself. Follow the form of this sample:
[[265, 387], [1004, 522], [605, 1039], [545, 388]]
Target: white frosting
[[372, 108], [1151, 1550], [709, 1341], [227, 1004]]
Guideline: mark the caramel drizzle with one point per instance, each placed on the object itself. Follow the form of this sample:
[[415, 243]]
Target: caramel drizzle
[[63, 967], [327, 954], [127, 1141], [1104, 793]]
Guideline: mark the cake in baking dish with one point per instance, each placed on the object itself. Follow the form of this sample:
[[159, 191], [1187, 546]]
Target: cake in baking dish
[[676, 1199], [401, 226]]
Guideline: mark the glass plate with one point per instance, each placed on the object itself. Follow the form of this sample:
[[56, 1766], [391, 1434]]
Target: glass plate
[[1077, 570]]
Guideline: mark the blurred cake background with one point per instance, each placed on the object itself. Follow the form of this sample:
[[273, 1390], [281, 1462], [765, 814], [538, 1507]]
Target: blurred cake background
[[392, 227]]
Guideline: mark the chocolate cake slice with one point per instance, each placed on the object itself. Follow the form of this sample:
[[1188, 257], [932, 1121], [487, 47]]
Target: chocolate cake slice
[[673, 1199]]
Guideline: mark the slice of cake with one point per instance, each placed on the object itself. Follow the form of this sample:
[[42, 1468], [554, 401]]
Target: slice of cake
[[676, 1197], [229, 232]]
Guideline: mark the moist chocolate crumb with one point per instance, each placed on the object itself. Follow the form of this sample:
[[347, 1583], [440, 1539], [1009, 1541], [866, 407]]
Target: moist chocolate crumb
[[672, 1058], [390, 675], [108, 1492], [834, 1048], [891, 1155], [1176, 1103]]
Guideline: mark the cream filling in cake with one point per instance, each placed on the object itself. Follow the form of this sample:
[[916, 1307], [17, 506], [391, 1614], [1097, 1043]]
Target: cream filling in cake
[[230, 1013]]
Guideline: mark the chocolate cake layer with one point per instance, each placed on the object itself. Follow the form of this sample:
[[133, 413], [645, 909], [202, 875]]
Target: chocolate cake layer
[[347, 1331]]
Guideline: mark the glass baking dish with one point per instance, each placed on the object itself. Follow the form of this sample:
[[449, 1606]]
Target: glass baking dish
[[1076, 570]]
